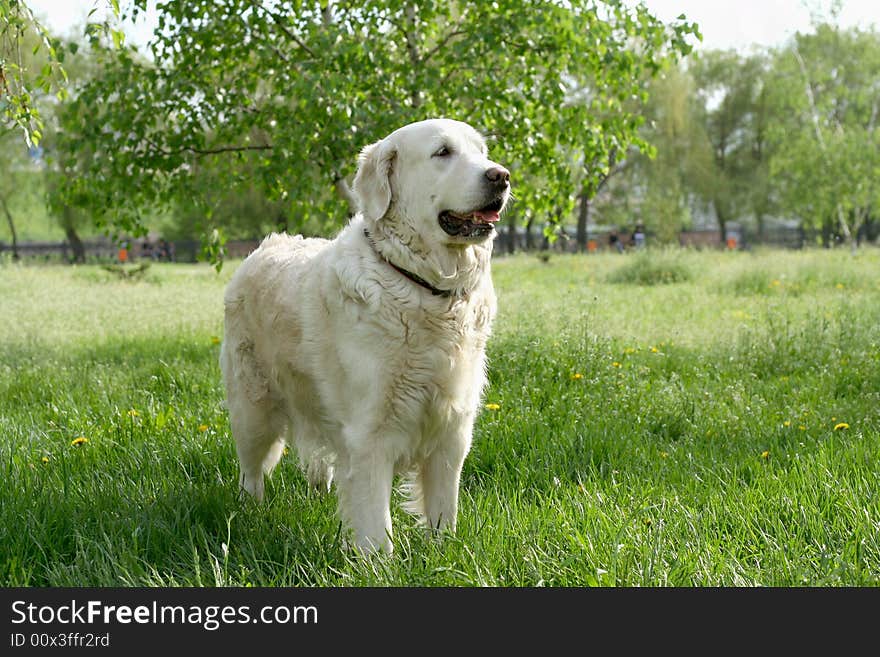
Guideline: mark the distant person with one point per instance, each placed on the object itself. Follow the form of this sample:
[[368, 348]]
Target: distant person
[[163, 249], [614, 241], [638, 236], [147, 250]]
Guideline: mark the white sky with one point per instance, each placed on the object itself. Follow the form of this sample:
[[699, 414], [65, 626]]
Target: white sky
[[724, 23]]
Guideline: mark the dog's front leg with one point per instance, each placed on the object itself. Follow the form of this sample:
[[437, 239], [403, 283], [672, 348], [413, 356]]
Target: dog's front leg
[[440, 475], [364, 490]]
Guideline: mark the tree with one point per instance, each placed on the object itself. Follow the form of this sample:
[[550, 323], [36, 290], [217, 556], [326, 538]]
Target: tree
[[22, 78], [291, 92], [733, 113], [13, 167], [589, 192], [34, 68], [682, 167], [828, 148], [659, 186], [22, 82]]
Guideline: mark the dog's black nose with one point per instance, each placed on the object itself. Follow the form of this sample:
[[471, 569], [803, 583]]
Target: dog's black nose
[[498, 175]]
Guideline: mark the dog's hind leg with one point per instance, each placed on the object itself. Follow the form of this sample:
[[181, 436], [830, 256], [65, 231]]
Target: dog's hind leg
[[258, 426], [259, 442]]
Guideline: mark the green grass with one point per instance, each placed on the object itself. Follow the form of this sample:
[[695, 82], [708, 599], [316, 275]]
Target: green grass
[[653, 267], [650, 435]]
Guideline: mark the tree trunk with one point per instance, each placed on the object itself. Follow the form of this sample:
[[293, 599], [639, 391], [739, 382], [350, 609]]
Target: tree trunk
[[530, 244], [583, 219], [8, 214], [859, 217], [827, 230], [721, 215], [759, 220], [67, 222], [511, 232], [79, 251]]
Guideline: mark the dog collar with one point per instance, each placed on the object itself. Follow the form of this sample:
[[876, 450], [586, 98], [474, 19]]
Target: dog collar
[[418, 280]]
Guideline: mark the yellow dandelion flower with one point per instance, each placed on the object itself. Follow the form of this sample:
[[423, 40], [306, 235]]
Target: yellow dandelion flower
[[615, 364], [775, 282], [802, 427], [841, 425], [577, 375], [787, 423], [45, 459], [493, 407], [215, 339], [664, 455], [629, 350], [203, 428], [285, 452], [765, 454], [132, 412], [839, 286], [76, 442], [654, 350]]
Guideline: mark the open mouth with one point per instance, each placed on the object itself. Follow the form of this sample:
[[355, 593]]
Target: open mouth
[[476, 223]]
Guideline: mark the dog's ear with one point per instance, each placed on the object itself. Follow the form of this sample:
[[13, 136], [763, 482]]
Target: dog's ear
[[372, 183]]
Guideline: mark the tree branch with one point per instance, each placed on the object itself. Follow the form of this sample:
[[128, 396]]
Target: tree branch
[[290, 35], [210, 151], [446, 39], [456, 31], [811, 99], [614, 167]]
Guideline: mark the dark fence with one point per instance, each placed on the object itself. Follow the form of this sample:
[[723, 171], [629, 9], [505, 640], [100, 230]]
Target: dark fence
[[103, 250], [96, 251]]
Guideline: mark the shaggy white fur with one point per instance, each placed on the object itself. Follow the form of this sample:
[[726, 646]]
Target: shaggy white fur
[[343, 349]]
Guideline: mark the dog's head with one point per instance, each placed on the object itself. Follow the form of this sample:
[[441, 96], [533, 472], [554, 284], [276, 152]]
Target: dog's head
[[435, 180]]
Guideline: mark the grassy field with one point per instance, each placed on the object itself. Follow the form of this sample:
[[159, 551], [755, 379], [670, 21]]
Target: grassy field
[[674, 419]]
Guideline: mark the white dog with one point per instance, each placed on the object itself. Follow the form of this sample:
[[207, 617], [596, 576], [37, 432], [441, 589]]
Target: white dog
[[367, 352]]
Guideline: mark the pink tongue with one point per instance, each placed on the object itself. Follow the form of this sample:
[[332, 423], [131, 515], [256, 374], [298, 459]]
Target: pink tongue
[[487, 217]]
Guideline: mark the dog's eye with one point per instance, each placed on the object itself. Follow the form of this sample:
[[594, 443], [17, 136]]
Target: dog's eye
[[443, 151]]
